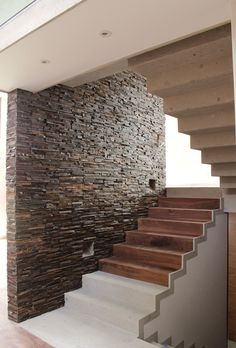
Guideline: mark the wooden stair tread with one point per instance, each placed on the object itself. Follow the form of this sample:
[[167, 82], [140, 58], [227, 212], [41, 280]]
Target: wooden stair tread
[[180, 236], [194, 203], [177, 243], [174, 220], [151, 248], [135, 270], [167, 223], [181, 209], [181, 214], [148, 255], [170, 233], [118, 261], [156, 249]]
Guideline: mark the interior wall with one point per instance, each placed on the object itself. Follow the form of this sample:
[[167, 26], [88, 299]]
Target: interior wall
[[79, 164], [195, 313]]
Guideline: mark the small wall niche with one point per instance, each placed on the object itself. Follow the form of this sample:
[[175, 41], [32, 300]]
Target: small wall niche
[[88, 247], [152, 184]]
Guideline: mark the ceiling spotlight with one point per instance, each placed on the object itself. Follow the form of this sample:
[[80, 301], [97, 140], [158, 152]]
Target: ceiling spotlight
[[45, 61], [105, 33]]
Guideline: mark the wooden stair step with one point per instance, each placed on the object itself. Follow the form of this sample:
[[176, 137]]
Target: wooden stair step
[[180, 214], [163, 241], [196, 192], [189, 203], [114, 265], [150, 256], [170, 226]]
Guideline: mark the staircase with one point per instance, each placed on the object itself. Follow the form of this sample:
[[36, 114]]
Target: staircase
[[195, 78], [156, 249], [164, 286], [160, 252]]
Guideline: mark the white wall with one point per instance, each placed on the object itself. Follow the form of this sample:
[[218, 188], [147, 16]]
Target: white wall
[[196, 312], [183, 165], [3, 113]]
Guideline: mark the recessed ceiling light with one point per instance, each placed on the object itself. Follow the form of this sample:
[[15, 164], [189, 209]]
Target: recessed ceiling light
[[45, 61], [105, 33]]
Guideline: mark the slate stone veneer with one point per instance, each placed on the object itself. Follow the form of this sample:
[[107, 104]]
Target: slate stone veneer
[[79, 161]]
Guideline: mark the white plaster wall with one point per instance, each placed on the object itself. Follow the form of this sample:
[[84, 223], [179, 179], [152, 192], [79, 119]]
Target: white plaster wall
[[183, 165], [196, 312]]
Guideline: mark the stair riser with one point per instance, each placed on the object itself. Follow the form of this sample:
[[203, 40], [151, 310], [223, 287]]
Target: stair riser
[[188, 103], [228, 182], [119, 294], [150, 258], [205, 123], [219, 155], [176, 214], [135, 273], [170, 227], [101, 312], [226, 169], [190, 76], [187, 203], [197, 192], [173, 243], [214, 139]]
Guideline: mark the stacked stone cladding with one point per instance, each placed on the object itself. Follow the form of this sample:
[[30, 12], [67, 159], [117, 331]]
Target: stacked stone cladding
[[79, 161]]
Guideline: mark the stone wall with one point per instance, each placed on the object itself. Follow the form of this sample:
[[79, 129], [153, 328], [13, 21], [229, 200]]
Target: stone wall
[[79, 165]]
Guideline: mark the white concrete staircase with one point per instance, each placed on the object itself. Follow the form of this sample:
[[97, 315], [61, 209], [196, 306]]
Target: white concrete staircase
[[105, 313], [120, 301], [195, 78]]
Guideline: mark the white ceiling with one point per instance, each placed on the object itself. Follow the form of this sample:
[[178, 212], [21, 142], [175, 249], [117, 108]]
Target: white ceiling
[[72, 44]]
